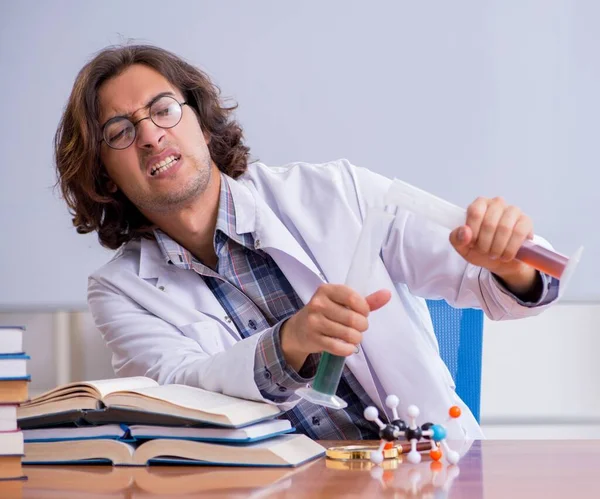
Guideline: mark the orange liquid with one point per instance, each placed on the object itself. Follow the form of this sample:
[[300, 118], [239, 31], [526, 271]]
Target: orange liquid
[[542, 259]]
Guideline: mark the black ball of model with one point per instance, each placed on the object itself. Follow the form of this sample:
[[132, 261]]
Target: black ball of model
[[425, 427], [413, 434], [400, 424], [388, 433]]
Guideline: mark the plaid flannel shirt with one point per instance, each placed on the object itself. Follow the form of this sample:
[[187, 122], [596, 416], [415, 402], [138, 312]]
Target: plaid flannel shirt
[[258, 298]]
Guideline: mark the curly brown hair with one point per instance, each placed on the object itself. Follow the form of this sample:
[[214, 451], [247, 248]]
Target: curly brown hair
[[82, 178]]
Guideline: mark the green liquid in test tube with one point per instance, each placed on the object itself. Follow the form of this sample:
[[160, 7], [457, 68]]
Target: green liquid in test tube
[[329, 373], [365, 257]]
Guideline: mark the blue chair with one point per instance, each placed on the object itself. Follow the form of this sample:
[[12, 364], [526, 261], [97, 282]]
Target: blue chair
[[460, 336]]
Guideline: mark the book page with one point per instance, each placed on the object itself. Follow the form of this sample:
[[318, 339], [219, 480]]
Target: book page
[[286, 450], [266, 428], [97, 389], [77, 450], [74, 433], [202, 400], [106, 386]]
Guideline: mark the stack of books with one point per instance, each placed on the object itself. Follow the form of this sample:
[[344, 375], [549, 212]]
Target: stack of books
[[14, 382], [136, 421]]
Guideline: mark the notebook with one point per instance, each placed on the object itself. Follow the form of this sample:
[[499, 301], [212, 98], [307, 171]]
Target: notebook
[[11, 339], [247, 434], [282, 451], [139, 400]]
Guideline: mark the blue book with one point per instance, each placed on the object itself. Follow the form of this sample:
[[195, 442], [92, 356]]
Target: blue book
[[13, 366]]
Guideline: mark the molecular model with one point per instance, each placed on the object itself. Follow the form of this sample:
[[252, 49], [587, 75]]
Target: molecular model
[[412, 433]]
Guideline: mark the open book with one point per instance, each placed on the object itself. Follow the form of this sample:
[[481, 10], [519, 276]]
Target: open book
[[139, 400], [282, 451]]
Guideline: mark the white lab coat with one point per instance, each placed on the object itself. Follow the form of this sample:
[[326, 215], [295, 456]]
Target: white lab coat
[[164, 322]]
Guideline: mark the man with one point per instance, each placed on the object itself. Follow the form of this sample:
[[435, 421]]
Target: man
[[227, 274]]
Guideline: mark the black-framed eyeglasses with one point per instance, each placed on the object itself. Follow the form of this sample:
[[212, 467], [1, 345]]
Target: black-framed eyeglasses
[[164, 112]]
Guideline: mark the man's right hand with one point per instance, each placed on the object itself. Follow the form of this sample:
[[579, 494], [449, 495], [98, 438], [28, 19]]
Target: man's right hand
[[332, 321]]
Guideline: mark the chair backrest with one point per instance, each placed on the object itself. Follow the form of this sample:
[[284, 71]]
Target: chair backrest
[[460, 336]]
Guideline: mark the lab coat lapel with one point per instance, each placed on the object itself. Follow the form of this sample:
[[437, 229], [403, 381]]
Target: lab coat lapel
[[253, 215], [187, 296], [272, 236]]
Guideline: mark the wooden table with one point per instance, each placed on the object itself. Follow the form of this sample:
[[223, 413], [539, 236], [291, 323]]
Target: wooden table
[[490, 469]]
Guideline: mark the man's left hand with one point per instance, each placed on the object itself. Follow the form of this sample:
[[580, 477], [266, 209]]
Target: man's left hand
[[491, 237]]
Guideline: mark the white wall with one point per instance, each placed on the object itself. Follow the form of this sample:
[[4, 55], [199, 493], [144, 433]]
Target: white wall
[[461, 98], [540, 375]]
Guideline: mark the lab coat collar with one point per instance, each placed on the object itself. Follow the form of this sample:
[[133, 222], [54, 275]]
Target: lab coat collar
[[151, 259], [253, 214], [244, 205]]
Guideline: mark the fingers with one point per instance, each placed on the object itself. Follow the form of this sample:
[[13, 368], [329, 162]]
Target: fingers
[[493, 229], [331, 336], [333, 320], [483, 217], [331, 329], [522, 230], [337, 347], [475, 215], [345, 316], [504, 232], [344, 296]]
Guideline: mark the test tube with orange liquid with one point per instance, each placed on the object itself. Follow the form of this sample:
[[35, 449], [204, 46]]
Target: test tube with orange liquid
[[451, 216]]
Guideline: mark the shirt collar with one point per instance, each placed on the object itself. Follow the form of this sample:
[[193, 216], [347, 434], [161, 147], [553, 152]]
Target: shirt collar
[[226, 219], [227, 226]]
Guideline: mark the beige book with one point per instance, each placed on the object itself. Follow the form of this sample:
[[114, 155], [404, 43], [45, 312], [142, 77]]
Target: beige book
[[10, 467], [139, 400], [14, 391], [283, 451]]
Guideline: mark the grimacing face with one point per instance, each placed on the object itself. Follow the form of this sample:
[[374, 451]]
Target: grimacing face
[[164, 168]]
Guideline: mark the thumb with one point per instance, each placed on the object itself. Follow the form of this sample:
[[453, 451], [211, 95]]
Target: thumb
[[378, 299], [460, 239]]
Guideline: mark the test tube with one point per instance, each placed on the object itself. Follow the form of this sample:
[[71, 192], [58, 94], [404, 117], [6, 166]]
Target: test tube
[[542, 259], [366, 254], [451, 216]]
